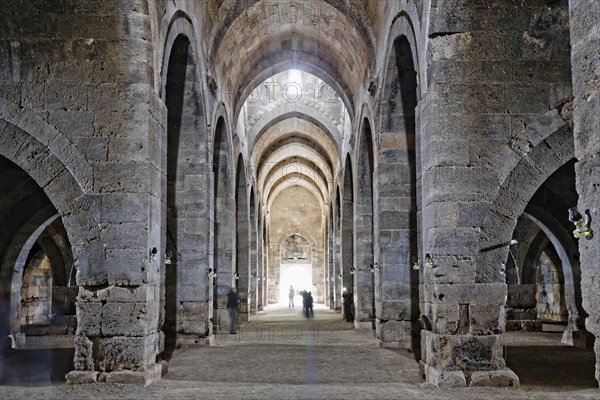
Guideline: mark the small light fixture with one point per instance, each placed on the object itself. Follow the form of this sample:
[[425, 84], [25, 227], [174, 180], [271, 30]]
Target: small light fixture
[[352, 270], [152, 254], [211, 273], [236, 276], [374, 268], [582, 224], [415, 264], [168, 256], [340, 276], [428, 261]]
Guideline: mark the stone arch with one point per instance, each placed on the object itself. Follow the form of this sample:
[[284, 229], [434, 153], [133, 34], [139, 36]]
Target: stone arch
[[331, 275], [560, 244], [347, 228], [224, 218], [301, 65], [254, 253], [295, 110], [397, 297], [242, 230], [179, 23], [513, 196], [187, 222], [364, 295], [68, 197], [31, 232]]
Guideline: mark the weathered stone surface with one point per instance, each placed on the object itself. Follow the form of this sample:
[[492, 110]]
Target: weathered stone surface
[[501, 378], [400, 130], [81, 377]]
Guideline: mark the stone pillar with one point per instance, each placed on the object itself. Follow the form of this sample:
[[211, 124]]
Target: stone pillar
[[224, 223], [274, 269], [260, 279], [396, 284], [484, 84], [254, 270], [337, 264], [347, 237], [331, 275], [585, 59], [117, 337]]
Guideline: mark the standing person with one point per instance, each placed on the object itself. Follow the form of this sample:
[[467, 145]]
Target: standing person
[[348, 305], [233, 301], [309, 305], [291, 295]]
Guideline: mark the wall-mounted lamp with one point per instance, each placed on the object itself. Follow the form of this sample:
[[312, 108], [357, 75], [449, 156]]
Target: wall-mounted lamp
[[211, 273], [374, 268], [352, 270], [428, 261], [168, 256], [340, 276], [152, 254], [582, 224], [415, 264], [236, 276]]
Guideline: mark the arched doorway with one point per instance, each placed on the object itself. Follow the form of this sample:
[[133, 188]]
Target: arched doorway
[[37, 283]]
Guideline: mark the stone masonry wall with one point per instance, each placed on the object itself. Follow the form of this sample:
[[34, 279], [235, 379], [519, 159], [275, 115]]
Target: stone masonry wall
[[86, 73], [487, 79], [585, 59]]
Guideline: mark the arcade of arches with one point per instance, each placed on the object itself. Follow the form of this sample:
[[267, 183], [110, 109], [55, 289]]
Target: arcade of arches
[[421, 155]]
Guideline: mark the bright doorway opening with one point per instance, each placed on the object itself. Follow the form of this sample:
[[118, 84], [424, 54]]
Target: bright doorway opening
[[297, 275]]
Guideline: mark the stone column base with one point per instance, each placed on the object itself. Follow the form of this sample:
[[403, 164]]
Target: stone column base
[[443, 379], [399, 334], [147, 377], [363, 324]]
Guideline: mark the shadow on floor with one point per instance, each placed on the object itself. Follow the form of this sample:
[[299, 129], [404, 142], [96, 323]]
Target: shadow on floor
[[554, 366], [35, 367]]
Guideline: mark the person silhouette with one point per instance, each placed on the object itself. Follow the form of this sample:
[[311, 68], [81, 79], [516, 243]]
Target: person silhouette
[[233, 301], [291, 295]]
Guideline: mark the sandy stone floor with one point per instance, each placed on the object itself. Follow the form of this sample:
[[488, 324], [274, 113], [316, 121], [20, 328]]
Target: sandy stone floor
[[281, 355]]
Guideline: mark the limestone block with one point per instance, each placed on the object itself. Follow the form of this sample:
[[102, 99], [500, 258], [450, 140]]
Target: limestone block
[[128, 294], [486, 319], [453, 240], [445, 318], [450, 270], [193, 310], [128, 319], [499, 378], [89, 318], [146, 377], [490, 293], [83, 360], [123, 207], [445, 379], [396, 289], [126, 353], [464, 352], [396, 310], [399, 332], [81, 377]]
